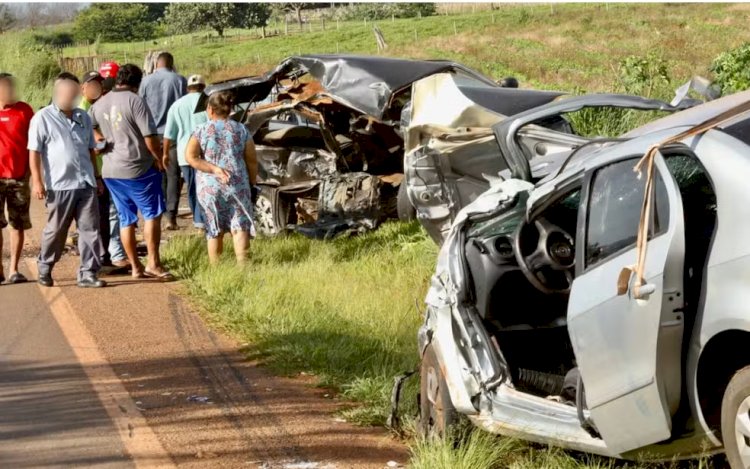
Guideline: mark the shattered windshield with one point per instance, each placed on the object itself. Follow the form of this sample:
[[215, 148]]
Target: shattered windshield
[[504, 224]]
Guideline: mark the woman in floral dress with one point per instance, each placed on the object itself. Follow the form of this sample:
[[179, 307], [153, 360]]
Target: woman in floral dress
[[223, 154]]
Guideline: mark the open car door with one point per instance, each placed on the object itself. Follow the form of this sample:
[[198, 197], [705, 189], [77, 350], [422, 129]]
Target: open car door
[[628, 348]]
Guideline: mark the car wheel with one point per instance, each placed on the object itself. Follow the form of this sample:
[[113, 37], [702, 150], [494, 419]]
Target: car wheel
[[404, 208], [436, 412], [265, 213], [735, 420]]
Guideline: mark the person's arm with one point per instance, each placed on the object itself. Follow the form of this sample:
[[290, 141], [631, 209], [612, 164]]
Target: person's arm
[[36, 146], [195, 160], [170, 133], [35, 165], [146, 125]]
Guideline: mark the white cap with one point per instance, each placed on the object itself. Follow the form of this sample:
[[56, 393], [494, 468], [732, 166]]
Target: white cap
[[194, 80]]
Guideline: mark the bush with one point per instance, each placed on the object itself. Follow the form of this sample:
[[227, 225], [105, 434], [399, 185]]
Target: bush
[[731, 69], [113, 22], [380, 11], [646, 76], [54, 39]]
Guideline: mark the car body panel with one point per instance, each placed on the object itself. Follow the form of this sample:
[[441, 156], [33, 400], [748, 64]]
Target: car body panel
[[640, 338]]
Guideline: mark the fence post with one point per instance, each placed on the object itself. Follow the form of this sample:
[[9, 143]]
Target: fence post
[[415, 34], [455, 29], [286, 26], [337, 24]]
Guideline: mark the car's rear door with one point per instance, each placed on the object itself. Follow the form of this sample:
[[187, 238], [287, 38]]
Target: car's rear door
[[628, 349]]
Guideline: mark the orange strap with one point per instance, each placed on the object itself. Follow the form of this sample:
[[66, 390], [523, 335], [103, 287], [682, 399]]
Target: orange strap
[[647, 163]]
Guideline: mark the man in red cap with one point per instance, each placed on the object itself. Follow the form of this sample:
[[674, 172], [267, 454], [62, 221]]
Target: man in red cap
[[15, 194], [108, 71]]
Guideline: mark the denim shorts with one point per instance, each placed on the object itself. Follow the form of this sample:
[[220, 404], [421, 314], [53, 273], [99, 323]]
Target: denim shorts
[[142, 194]]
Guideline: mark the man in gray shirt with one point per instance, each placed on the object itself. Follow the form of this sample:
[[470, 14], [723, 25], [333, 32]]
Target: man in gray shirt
[[61, 140], [131, 167], [160, 90]]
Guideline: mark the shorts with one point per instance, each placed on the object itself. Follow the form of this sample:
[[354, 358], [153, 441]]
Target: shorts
[[15, 194], [142, 194]]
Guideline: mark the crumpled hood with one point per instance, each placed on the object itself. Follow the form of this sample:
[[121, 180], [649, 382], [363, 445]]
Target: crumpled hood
[[364, 83]]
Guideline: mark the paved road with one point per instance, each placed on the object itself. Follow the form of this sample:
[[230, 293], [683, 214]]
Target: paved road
[[131, 376]]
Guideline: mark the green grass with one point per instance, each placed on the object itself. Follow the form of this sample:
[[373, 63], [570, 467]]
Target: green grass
[[343, 310]]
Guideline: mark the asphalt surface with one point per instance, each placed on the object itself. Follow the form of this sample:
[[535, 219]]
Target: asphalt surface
[[130, 376]]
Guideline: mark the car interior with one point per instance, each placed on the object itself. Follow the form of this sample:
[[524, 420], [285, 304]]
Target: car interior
[[520, 274]]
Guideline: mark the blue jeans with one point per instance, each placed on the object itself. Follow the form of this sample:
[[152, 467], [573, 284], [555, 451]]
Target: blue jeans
[[116, 251], [188, 174]]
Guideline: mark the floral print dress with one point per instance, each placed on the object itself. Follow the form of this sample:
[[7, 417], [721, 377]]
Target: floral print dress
[[227, 207]]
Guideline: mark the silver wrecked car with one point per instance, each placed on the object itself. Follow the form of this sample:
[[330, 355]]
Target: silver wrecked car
[[602, 308]]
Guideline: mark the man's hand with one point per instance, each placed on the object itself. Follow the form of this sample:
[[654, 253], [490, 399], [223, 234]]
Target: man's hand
[[39, 191], [99, 186], [159, 164], [165, 161], [221, 174]]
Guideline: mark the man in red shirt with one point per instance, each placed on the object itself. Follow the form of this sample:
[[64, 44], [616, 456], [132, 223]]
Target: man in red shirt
[[15, 195]]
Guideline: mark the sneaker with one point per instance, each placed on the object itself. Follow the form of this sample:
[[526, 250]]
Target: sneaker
[[90, 281], [45, 280]]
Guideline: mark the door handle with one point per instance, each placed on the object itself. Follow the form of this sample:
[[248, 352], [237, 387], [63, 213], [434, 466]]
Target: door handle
[[645, 291]]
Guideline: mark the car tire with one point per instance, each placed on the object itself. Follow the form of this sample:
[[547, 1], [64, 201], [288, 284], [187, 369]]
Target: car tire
[[735, 420], [436, 412], [265, 216], [404, 208]]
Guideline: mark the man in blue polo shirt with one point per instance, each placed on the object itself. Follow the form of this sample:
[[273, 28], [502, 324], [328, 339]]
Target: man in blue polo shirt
[[61, 140], [181, 122]]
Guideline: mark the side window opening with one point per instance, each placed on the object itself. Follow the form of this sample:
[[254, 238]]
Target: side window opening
[[615, 202]]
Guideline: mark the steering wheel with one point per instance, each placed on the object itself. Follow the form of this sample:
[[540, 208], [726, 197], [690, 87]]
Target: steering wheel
[[549, 266]]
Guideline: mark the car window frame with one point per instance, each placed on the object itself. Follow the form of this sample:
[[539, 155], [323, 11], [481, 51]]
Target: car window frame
[[583, 216]]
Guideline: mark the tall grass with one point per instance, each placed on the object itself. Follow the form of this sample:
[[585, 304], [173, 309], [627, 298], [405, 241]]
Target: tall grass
[[33, 66], [342, 310]]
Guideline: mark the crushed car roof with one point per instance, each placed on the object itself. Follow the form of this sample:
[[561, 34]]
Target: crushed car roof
[[364, 83]]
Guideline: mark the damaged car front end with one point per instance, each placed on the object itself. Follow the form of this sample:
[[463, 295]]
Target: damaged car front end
[[326, 127]]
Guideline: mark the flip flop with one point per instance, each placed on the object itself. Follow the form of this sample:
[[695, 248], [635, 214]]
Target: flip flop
[[164, 276], [17, 278]]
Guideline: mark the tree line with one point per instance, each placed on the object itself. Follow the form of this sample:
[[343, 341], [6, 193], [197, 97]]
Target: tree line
[[119, 22]]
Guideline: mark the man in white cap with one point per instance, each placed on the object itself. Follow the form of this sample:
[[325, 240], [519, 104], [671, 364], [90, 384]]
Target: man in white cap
[[181, 122]]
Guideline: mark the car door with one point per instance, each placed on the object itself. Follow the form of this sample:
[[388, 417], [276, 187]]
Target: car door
[[628, 349]]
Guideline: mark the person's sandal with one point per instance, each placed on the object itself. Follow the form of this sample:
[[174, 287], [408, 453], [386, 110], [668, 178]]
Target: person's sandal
[[17, 278], [163, 276]]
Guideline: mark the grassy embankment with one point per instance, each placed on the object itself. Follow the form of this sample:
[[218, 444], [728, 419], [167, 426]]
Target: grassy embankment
[[345, 310]]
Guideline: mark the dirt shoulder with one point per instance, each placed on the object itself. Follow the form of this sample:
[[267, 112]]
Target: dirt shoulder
[[203, 401]]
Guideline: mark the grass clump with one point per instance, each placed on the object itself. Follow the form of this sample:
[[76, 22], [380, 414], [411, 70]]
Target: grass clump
[[342, 310], [469, 448]]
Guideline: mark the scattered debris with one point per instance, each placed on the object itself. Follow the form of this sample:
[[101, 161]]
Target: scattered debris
[[201, 399]]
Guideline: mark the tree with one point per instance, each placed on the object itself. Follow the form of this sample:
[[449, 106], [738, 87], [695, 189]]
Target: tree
[[188, 17], [297, 8], [7, 18], [114, 22]]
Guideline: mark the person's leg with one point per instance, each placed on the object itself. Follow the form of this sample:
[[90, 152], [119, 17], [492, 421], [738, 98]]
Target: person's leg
[[89, 241], [174, 187], [116, 251], [60, 214], [18, 200], [150, 201], [120, 191], [241, 240], [152, 236], [215, 248], [103, 204], [188, 174]]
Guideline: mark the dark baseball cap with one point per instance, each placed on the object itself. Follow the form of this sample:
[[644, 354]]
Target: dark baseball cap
[[90, 76]]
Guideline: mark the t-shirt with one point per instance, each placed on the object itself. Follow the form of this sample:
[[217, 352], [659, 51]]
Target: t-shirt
[[124, 120], [85, 104], [182, 121], [160, 90], [14, 134]]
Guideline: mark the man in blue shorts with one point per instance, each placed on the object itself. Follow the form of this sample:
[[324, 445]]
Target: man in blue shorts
[[132, 167]]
